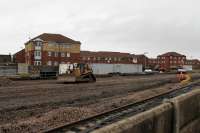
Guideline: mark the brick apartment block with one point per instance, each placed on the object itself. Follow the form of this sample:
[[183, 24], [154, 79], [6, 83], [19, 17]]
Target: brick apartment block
[[51, 50], [171, 60], [108, 57]]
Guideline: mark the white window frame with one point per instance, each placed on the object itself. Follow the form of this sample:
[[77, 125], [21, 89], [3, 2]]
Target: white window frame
[[62, 54], [49, 53], [98, 58], [38, 43], [37, 63], [37, 53], [56, 54], [68, 55], [49, 63], [55, 63], [66, 45]]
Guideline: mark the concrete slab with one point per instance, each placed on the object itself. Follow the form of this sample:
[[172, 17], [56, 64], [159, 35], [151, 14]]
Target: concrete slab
[[186, 108], [193, 127], [156, 120]]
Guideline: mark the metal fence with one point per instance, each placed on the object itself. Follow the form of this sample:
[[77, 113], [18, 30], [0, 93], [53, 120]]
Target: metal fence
[[8, 70]]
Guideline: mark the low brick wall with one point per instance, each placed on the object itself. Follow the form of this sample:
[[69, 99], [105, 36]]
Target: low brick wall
[[178, 115]]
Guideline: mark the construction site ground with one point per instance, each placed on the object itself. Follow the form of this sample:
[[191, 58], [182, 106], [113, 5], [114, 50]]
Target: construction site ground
[[33, 106]]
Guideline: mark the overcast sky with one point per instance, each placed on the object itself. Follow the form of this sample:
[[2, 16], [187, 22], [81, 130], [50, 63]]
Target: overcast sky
[[135, 26]]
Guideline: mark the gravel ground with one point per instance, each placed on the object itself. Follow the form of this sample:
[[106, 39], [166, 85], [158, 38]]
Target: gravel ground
[[32, 106], [5, 82]]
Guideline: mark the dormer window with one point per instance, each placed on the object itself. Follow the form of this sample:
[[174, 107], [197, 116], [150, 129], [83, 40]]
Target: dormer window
[[38, 43]]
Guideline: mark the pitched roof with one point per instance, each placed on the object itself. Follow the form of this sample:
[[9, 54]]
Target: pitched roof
[[141, 56], [21, 51], [171, 54], [104, 54], [192, 60], [54, 38]]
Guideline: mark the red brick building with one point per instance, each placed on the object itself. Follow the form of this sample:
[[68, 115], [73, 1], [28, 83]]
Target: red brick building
[[108, 57], [51, 50], [153, 63], [19, 57], [195, 63], [142, 59], [171, 60]]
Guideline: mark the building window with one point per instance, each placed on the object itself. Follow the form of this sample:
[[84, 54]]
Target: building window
[[68, 55], [49, 63], [94, 58], [37, 63], [38, 43], [49, 53], [37, 53], [66, 45], [62, 62], [62, 54], [99, 58], [55, 63], [56, 54], [52, 44], [88, 58]]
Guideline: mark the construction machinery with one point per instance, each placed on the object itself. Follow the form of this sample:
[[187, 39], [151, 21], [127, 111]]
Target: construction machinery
[[76, 73]]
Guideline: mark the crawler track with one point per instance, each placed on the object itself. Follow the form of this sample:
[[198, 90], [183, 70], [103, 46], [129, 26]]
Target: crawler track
[[106, 118]]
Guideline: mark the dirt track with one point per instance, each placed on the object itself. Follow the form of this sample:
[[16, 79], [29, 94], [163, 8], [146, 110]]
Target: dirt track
[[31, 106]]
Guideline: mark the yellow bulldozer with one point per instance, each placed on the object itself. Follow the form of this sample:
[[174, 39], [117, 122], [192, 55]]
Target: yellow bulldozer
[[77, 73]]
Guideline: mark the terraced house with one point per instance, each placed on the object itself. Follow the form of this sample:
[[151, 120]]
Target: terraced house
[[108, 57], [51, 50]]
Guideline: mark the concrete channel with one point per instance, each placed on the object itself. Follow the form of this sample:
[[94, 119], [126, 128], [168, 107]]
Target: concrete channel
[[177, 115]]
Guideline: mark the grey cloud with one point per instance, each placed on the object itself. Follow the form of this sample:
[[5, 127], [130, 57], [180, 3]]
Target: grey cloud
[[137, 26]]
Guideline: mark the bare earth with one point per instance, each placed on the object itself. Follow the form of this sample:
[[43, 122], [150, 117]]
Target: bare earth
[[33, 106]]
